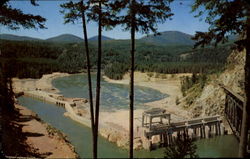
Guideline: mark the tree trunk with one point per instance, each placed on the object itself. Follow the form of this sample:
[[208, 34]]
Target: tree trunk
[[89, 78], [7, 92], [246, 110], [131, 96], [98, 79]]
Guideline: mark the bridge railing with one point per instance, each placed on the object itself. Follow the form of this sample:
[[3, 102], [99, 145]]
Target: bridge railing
[[234, 111]]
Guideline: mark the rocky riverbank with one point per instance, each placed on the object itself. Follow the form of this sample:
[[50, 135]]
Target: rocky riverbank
[[35, 138]]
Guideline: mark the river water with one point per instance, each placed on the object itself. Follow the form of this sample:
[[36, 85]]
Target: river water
[[113, 96], [80, 135]]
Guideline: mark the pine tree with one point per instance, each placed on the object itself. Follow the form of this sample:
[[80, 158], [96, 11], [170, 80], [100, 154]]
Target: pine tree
[[100, 12], [142, 16], [77, 10], [13, 19], [183, 147]]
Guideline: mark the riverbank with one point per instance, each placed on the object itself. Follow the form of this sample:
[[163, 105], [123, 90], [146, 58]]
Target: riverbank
[[113, 130], [169, 84], [44, 83], [35, 138]]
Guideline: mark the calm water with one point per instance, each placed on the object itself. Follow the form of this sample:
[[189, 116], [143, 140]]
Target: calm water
[[80, 136], [113, 96]]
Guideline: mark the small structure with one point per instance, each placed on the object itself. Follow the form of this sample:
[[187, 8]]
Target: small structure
[[154, 113]]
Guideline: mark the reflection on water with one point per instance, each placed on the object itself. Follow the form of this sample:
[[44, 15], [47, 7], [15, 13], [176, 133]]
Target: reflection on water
[[113, 96], [219, 146]]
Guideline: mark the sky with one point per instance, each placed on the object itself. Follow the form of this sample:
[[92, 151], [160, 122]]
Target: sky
[[183, 20]]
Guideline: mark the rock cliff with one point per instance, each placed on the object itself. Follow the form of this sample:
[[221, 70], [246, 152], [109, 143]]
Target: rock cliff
[[212, 98]]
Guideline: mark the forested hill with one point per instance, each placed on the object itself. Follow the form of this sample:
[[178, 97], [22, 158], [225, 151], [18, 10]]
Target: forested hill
[[17, 38], [104, 38], [165, 38], [65, 38], [34, 58], [169, 38]]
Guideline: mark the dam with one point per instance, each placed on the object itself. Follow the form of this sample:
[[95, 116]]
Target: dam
[[155, 122]]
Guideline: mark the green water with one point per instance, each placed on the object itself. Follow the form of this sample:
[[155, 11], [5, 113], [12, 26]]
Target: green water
[[80, 136], [113, 96]]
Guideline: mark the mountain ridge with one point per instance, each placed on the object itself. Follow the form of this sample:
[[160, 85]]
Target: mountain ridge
[[165, 38], [17, 37], [169, 37], [174, 38], [95, 38], [68, 38], [65, 38]]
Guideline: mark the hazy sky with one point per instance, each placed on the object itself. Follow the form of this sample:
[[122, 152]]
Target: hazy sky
[[183, 21]]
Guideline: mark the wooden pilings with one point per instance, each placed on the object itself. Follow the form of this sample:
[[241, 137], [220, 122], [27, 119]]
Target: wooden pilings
[[60, 104], [45, 98], [203, 130]]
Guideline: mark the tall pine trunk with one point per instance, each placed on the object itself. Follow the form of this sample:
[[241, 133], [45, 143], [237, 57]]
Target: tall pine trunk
[[98, 79], [131, 96], [246, 107], [89, 78]]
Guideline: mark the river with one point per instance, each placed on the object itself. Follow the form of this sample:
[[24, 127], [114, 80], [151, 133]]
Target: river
[[113, 96], [80, 135]]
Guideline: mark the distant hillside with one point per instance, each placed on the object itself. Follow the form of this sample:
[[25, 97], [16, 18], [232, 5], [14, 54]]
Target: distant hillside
[[17, 38], [166, 38], [66, 38], [95, 38], [169, 38]]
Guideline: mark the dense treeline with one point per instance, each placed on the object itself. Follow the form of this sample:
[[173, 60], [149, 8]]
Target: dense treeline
[[29, 67], [32, 59], [116, 70], [179, 67], [165, 59], [30, 49]]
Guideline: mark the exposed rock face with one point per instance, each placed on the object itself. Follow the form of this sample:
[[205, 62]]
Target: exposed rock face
[[120, 138], [137, 144], [233, 77], [212, 99]]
